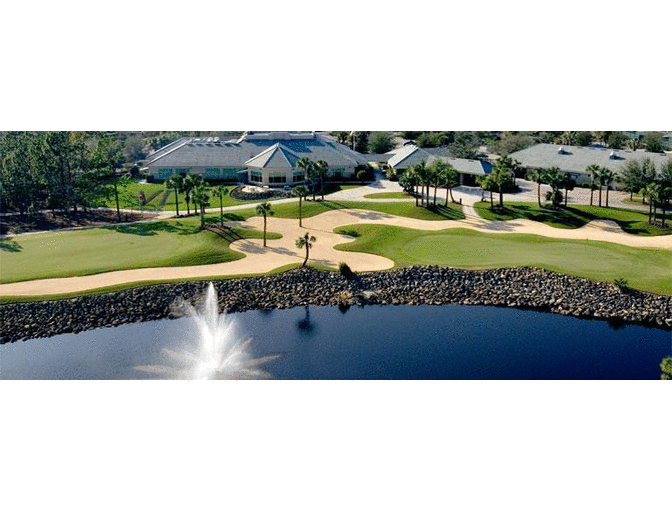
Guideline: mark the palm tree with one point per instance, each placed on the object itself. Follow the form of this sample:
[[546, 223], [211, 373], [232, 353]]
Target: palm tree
[[450, 179], [651, 191], [321, 170], [264, 209], [201, 199], [501, 176], [487, 184], [301, 192], [594, 171], [308, 167], [176, 182], [608, 177], [568, 138], [411, 176], [423, 174], [554, 179], [568, 183], [191, 181], [306, 241], [220, 192], [537, 175]]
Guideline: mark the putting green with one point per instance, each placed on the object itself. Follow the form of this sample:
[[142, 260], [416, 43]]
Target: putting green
[[645, 269]]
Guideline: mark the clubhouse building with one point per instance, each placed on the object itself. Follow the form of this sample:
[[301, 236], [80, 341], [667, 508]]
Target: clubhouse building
[[263, 158], [575, 160], [467, 169]]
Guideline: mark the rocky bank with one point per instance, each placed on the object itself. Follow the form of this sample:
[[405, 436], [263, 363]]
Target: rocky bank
[[514, 287]]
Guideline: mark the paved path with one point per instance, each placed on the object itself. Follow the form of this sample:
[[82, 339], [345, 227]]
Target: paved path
[[282, 251]]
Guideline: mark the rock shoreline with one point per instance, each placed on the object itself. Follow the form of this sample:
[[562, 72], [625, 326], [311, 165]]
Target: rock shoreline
[[525, 288]]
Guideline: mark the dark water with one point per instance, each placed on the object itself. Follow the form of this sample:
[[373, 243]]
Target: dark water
[[374, 342]]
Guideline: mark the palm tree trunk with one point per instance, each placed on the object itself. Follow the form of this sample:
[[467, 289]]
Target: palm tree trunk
[[300, 198], [177, 205], [663, 208], [539, 194], [599, 202], [448, 190], [435, 186], [501, 198], [116, 199], [451, 195], [606, 204], [221, 212], [307, 253], [591, 194], [264, 231], [492, 204]]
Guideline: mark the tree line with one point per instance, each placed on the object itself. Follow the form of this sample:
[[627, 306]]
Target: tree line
[[57, 170]]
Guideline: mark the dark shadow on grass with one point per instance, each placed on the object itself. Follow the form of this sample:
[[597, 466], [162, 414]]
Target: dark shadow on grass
[[152, 229], [446, 212], [10, 245]]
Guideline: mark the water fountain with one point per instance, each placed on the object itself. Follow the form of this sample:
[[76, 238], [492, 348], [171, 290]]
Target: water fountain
[[220, 352]]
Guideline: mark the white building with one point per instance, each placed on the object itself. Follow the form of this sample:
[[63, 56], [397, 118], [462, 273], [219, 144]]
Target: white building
[[267, 158]]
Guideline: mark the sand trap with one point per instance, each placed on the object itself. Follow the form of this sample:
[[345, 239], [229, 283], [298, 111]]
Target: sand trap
[[281, 252]]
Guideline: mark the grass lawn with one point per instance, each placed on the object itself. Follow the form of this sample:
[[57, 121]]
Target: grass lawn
[[129, 198], [310, 208], [331, 187], [131, 285], [98, 250], [647, 270], [575, 216], [389, 194], [175, 242]]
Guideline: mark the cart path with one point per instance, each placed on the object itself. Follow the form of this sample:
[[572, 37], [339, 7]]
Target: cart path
[[280, 252]]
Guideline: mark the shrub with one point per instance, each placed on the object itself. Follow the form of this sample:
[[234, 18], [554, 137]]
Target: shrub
[[621, 283], [345, 271], [391, 174], [351, 233]]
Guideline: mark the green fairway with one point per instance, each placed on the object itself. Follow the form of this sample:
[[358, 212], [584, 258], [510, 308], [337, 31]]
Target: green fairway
[[575, 216], [389, 194], [129, 198], [310, 208], [648, 270], [98, 250]]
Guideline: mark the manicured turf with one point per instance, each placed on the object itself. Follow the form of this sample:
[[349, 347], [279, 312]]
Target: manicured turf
[[389, 194], [644, 269], [575, 216], [98, 250], [310, 208], [129, 198], [132, 285]]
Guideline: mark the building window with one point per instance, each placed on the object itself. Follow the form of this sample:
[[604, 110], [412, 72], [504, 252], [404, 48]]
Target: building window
[[164, 173], [230, 173], [255, 176], [277, 178], [212, 173], [299, 177]]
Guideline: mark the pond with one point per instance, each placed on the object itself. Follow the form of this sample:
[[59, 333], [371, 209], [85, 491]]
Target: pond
[[372, 342]]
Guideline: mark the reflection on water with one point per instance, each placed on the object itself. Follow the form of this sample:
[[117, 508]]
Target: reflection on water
[[219, 351], [370, 342]]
